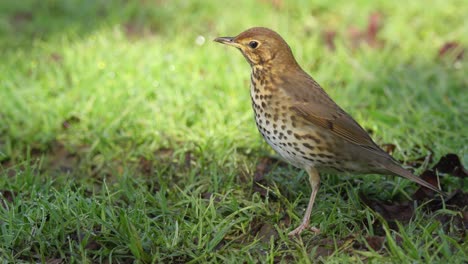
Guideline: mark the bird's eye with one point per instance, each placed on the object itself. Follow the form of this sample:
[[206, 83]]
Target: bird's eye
[[253, 44]]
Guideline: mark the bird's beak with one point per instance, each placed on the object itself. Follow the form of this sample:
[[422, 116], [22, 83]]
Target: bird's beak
[[226, 40]]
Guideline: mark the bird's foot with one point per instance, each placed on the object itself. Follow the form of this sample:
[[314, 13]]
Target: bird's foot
[[302, 227]]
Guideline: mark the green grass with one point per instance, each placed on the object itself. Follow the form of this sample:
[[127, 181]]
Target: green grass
[[122, 139]]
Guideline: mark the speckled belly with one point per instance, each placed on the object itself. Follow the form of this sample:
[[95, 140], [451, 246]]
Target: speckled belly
[[286, 134]]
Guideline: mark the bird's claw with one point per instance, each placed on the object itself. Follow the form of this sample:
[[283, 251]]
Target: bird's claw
[[303, 227]]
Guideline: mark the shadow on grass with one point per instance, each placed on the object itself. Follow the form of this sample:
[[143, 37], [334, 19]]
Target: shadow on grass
[[22, 22]]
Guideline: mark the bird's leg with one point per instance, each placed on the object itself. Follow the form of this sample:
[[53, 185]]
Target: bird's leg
[[314, 179]]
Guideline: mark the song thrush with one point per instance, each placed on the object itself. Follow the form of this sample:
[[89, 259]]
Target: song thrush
[[301, 122]]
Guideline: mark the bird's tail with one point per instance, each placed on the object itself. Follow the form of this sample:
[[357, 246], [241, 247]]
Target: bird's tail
[[398, 170]]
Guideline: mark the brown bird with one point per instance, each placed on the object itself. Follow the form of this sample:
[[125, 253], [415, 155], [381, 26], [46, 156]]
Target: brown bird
[[301, 122]]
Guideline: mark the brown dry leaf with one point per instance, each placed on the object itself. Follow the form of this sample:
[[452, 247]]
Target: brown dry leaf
[[329, 39], [67, 123], [390, 212], [7, 197], [451, 164], [375, 242], [423, 193], [452, 49], [388, 147], [266, 232], [373, 27], [369, 35]]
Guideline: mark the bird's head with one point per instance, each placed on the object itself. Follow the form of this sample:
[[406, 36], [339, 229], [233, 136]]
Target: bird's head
[[261, 46]]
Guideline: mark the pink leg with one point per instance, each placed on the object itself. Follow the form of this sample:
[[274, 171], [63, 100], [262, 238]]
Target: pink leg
[[314, 179]]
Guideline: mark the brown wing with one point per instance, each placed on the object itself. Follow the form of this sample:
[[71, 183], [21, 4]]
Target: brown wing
[[314, 105]]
